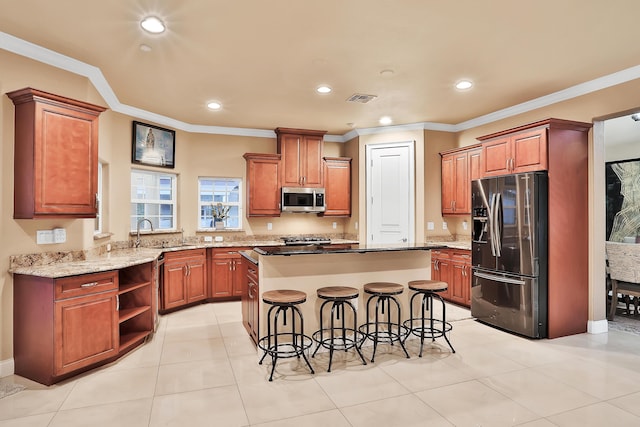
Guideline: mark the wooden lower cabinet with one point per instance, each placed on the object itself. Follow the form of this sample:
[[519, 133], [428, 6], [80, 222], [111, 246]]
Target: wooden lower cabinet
[[184, 278], [225, 273], [454, 267], [251, 299], [460, 281], [63, 326]]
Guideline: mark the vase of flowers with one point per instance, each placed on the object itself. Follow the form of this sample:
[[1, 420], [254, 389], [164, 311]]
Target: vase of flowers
[[220, 213]]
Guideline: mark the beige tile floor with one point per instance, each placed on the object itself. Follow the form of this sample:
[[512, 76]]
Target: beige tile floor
[[201, 369]]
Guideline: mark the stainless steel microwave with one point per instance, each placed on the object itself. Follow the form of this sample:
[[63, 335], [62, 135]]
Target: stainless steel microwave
[[301, 199]]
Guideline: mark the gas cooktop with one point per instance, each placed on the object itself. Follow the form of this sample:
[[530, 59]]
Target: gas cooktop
[[299, 241]]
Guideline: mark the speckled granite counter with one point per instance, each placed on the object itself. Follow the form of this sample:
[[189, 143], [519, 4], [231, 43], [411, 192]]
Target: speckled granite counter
[[72, 263], [114, 260]]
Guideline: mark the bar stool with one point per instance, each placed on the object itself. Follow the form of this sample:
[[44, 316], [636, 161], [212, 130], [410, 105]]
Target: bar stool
[[337, 338], [384, 293], [288, 343], [428, 326]]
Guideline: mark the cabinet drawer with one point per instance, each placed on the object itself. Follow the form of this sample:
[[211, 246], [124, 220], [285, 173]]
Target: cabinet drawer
[[85, 284], [440, 254], [252, 273], [461, 256], [188, 253]]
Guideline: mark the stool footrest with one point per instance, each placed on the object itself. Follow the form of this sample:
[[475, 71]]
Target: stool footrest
[[323, 338], [414, 326], [285, 349]]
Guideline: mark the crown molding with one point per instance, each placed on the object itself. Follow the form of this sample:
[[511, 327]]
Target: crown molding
[[38, 53]]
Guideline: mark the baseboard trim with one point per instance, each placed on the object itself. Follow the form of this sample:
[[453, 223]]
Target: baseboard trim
[[7, 368], [597, 326]]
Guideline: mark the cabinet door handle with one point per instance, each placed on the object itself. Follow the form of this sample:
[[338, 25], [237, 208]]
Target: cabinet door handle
[[89, 285], [117, 302]]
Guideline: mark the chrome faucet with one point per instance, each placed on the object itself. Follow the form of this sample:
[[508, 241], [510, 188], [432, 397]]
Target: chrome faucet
[[137, 244]]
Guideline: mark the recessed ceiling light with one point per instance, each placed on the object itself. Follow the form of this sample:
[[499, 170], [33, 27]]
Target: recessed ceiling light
[[323, 89], [387, 73], [214, 105], [464, 84], [152, 24], [386, 120], [636, 117], [145, 48]]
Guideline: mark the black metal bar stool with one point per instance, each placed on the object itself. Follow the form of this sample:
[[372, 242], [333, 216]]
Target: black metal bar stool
[[384, 331], [340, 337], [426, 326], [288, 343]]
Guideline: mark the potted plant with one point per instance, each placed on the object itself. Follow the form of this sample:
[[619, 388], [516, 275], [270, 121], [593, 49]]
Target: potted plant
[[219, 213]]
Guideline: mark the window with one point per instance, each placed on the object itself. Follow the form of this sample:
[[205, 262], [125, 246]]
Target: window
[[97, 229], [153, 196], [228, 192]]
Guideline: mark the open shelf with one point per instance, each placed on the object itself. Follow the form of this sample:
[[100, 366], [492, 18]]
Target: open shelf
[[128, 287], [128, 313], [129, 339]]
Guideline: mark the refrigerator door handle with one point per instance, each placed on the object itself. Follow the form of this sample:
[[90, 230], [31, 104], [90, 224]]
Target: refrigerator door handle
[[497, 218], [498, 278], [491, 225]]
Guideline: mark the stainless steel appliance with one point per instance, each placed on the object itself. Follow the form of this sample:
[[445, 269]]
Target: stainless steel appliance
[[301, 199], [509, 252], [301, 241]]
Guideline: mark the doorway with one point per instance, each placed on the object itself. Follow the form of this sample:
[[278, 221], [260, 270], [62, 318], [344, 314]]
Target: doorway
[[620, 137], [390, 192]]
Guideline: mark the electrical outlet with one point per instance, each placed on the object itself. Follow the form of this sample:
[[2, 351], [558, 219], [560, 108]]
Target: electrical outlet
[[356, 225], [44, 237], [444, 225], [430, 225], [464, 225], [335, 225], [59, 235], [269, 226]]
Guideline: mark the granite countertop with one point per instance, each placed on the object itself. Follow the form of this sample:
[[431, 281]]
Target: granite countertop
[[114, 260], [354, 248], [121, 258]]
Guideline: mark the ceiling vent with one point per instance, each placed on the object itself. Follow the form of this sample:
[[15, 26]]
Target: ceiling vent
[[361, 98]]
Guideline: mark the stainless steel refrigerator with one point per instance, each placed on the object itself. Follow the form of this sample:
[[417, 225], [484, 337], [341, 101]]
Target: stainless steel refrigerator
[[509, 252]]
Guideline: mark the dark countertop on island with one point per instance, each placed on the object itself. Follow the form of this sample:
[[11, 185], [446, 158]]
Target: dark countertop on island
[[355, 248]]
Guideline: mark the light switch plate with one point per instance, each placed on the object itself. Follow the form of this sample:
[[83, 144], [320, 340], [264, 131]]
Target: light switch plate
[[219, 238], [444, 225], [208, 239], [430, 225]]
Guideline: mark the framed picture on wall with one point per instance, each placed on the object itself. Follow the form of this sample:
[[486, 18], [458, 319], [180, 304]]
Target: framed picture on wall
[[153, 146], [623, 201]]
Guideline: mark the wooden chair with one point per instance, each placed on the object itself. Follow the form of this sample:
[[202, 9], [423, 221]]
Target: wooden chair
[[624, 270]]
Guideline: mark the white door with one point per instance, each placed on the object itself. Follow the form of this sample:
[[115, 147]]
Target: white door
[[390, 193]]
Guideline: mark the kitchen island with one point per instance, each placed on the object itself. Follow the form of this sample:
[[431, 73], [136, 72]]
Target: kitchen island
[[307, 268]]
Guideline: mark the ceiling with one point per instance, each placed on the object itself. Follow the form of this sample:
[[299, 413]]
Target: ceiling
[[262, 60]]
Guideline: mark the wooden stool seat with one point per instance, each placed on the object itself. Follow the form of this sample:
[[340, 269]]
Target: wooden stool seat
[[284, 296], [383, 288], [338, 292], [428, 285]]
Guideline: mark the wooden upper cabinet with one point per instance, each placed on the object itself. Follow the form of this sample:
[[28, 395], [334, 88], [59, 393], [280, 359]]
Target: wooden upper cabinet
[[456, 181], [301, 152], [56, 156], [520, 152], [263, 184], [475, 164], [337, 186]]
